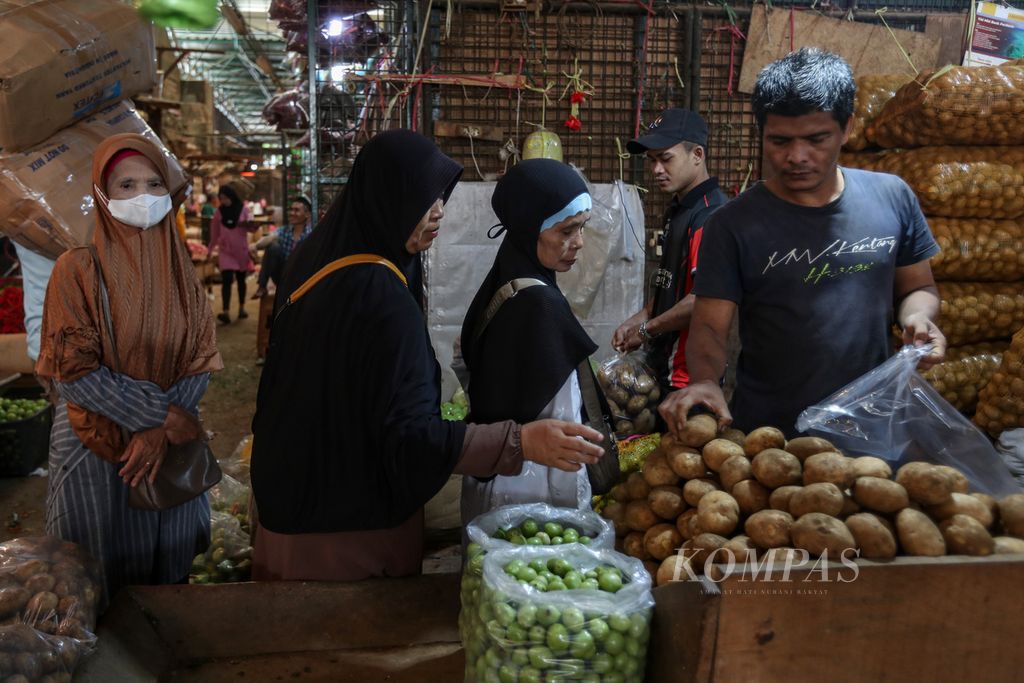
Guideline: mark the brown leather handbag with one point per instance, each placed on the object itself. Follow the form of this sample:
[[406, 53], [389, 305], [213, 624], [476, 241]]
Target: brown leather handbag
[[188, 469]]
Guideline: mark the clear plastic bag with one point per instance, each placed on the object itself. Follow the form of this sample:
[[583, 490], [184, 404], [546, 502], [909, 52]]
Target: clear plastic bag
[[237, 465], [229, 557], [571, 634], [633, 393], [893, 413]]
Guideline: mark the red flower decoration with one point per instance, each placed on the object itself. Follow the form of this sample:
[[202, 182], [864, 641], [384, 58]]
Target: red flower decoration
[[574, 124], [577, 97]]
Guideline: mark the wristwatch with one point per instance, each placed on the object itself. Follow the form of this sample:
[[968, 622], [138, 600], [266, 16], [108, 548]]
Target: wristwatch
[[646, 336]]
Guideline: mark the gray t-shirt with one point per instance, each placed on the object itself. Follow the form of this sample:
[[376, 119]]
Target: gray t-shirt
[[814, 287]]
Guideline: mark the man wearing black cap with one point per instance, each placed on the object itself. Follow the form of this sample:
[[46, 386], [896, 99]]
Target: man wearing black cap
[[676, 146]]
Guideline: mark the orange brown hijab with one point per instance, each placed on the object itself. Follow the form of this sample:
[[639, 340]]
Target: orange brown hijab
[[158, 308]]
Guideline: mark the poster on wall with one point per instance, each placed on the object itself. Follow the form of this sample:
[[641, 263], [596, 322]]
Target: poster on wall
[[997, 35]]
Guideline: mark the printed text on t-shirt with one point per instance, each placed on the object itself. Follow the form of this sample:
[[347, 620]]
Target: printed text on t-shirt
[[867, 245]]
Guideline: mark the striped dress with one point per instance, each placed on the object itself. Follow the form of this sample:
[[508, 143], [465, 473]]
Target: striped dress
[[87, 502]]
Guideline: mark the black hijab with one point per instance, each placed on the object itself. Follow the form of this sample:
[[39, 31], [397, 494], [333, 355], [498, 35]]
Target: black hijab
[[534, 341], [229, 214], [348, 431]]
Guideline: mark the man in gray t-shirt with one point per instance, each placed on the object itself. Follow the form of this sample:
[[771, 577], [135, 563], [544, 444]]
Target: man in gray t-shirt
[[818, 261]]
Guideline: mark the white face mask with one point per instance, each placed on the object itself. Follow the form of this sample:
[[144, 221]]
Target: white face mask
[[143, 211]]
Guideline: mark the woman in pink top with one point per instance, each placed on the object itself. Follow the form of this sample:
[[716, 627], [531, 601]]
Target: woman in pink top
[[229, 239]]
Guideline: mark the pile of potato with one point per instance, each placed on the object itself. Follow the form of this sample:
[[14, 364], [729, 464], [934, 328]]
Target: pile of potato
[[759, 492], [955, 106], [957, 182], [872, 94], [633, 395], [966, 370], [1001, 401], [973, 312], [978, 249]]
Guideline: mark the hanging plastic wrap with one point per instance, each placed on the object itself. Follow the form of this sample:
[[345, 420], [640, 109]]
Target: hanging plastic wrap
[[966, 370], [288, 110], [351, 39], [958, 105], [957, 182], [894, 414], [973, 312], [873, 92], [978, 249], [290, 15], [1001, 402]]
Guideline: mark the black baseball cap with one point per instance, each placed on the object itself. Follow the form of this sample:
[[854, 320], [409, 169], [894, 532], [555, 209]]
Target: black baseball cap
[[671, 128]]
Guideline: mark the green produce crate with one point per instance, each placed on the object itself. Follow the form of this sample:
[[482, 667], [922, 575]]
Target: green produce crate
[[25, 443]]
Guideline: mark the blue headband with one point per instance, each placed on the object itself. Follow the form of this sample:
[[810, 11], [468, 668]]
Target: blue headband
[[581, 203]]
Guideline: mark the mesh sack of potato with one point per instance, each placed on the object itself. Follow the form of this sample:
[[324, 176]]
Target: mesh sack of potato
[[633, 394], [584, 616], [978, 249], [955, 105], [1001, 401], [973, 312], [49, 594], [872, 94], [966, 370], [957, 182]]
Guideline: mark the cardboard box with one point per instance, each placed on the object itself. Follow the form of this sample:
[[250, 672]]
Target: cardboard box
[[46, 199], [62, 60]]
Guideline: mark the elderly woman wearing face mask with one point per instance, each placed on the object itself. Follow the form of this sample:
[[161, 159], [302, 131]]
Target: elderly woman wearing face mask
[[112, 427]]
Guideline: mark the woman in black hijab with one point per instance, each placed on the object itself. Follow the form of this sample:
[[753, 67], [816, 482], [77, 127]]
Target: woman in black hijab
[[349, 443], [523, 361]]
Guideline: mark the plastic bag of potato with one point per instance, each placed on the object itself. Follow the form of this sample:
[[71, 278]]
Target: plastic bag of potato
[[977, 105], [1001, 402], [978, 249], [966, 370], [873, 92], [633, 394], [974, 312], [957, 182], [894, 414], [563, 613], [49, 592]]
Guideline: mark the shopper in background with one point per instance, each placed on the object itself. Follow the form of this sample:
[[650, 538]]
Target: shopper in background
[[818, 261], [676, 146], [280, 244], [112, 428], [349, 443], [229, 240]]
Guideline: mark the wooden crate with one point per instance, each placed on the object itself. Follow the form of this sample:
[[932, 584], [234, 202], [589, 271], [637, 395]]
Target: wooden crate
[[912, 619]]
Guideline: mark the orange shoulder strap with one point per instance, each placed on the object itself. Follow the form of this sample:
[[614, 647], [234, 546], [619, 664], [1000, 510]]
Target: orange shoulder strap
[[345, 262]]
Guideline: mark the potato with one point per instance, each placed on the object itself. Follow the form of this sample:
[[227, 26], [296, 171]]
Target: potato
[[751, 496], [1011, 512], [13, 600], [828, 467], [823, 497], [652, 568], [717, 451], [656, 470], [926, 484], [763, 438], [875, 540], [964, 535], [805, 446], [673, 568], [615, 513], [990, 503], [960, 483], [645, 421], [698, 430], [636, 404], [734, 470], [662, 540], [880, 495], [779, 498], [23, 572], [1008, 545], [686, 462], [718, 513], [27, 664], [769, 528], [695, 489], [850, 506], [19, 637], [40, 583], [66, 605], [742, 548], [619, 493], [704, 546], [918, 534], [774, 468], [820, 534], [639, 516], [1001, 401], [734, 435], [41, 603], [793, 557], [683, 523], [667, 502], [963, 504], [637, 487], [625, 427], [633, 545], [870, 466]]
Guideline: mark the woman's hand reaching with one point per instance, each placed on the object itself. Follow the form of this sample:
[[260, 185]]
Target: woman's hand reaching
[[564, 445]]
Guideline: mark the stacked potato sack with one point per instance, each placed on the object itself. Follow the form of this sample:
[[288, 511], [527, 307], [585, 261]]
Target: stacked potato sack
[[966, 370], [1001, 402], [955, 136], [699, 496], [873, 92]]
